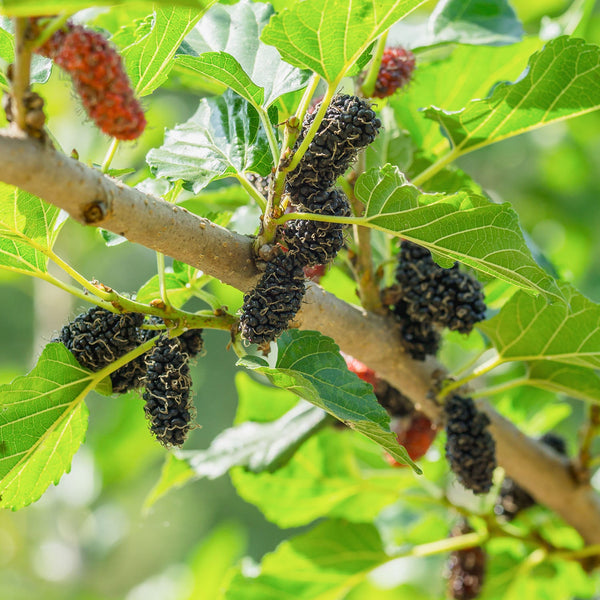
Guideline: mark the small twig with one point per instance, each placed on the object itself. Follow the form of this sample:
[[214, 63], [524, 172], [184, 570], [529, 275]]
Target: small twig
[[20, 72], [110, 154]]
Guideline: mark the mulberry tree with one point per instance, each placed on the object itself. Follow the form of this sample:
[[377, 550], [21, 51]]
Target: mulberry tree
[[417, 364]]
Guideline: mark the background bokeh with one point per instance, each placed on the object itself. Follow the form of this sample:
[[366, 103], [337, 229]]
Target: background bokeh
[[90, 537]]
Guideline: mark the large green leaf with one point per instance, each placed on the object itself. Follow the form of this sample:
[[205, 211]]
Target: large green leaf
[[329, 36], [24, 8], [310, 365], [149, 50], [577, 382], [323, 564], [28, 227], [561, 81], [468, 228], [469, 72], [222, 138], [325, 478], [42, 424], [478, 22], [529, 329], [226, 48]]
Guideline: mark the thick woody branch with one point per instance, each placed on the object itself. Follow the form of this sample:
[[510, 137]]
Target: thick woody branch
[[93, 199]]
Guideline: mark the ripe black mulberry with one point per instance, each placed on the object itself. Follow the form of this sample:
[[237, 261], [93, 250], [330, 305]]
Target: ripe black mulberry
[[318, 242], [349, 125], [98, 337], [448, 297], [470, 448], [274, 302], [168, 404], [418, 338], [466, 568]]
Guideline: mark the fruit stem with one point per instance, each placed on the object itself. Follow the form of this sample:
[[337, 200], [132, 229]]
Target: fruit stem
[[368, 86], [110, 154], [478, 372], [162, 284], [266, 123], [21, 72], [589, 433], [50, 29], [252, 191]]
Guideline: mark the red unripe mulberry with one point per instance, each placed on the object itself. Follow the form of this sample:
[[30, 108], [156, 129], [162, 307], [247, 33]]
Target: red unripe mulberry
[[397, 66], [99, 78]]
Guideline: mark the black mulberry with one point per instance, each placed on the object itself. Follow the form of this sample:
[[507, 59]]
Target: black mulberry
[[98, 337], [466, 568], [470, 448], [318, 242], [274, 302], [167, 395], [447, 297], [261, 184], [512, 498], [349, 125], [132, 375], [418, 338]]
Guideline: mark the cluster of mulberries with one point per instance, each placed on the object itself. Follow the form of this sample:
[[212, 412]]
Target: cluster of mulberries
[[512, 498], [470, 448], [167, 395], [98, 77], [348, 126], [466, 568], [261, 184], [428, 296], [395, 71], [99, 337]]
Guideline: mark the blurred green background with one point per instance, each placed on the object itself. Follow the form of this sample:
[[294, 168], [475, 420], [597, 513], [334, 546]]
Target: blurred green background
[[89, 538]]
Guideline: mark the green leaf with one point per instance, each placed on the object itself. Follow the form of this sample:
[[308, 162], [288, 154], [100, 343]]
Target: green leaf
[[42, 424], [310, 365], [329, 36], [327, 477], [561, 81], [475, 22], [577, 382], [25, 8], [437, 83], [149, 58], [529, 329], [323, 564], [178, 291], [28, 228], [175, 473], [222, 138], [228, 50], [460, 227], [258, 446]]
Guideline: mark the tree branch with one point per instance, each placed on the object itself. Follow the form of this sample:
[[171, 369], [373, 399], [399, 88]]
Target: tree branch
[[94, 199]]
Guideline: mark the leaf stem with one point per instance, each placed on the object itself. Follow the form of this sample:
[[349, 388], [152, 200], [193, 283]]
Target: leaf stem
[[21, 72], [437, 166], [459, 542], [368, 86], [481, 370], [110, 154], [309, 92], [319, 217], [254, 193], [266, 123], [590, 430], [499, 389], [310, 134]]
